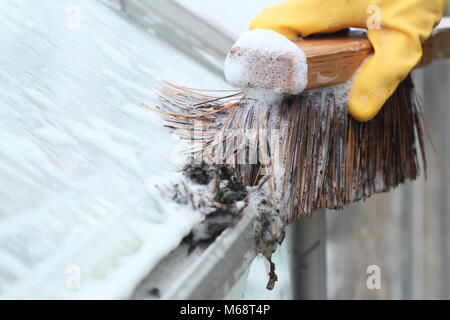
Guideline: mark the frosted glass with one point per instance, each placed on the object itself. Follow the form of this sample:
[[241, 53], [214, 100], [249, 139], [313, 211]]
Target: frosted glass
[[79, 217]]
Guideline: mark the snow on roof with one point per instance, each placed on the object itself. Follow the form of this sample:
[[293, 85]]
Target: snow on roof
[[79, 215]]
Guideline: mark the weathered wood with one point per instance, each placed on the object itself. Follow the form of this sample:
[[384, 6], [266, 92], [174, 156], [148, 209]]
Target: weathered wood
[[435, 259], [308, 260], [404, 232]]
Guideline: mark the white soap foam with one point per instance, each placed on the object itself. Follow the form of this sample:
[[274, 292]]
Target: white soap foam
[[261, 58], [269, 97]]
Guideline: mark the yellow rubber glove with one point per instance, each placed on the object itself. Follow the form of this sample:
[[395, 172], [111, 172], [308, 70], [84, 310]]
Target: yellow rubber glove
[[396, 29]]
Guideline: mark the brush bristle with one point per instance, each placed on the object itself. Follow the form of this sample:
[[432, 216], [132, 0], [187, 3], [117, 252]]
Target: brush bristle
[[313, 154]]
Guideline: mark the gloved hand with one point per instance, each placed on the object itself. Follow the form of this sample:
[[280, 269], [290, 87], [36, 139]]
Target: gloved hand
[[403, 26]]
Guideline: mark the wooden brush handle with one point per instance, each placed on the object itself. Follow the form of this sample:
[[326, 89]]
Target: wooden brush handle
[[334, 59]]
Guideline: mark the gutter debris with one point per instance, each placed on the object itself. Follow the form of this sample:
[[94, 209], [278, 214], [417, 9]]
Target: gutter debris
[[269, 230], [217, 192]]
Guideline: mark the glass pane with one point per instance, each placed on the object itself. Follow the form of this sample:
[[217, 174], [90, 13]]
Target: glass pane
[[78, 156]]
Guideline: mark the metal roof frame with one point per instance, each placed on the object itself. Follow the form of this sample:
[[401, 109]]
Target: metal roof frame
[[202, 40]]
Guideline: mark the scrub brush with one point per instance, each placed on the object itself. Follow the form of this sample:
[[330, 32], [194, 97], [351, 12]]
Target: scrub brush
[[289, 128]]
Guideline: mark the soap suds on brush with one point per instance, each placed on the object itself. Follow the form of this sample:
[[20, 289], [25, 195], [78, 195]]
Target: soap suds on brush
[[266, 96], [263, 59], [341, 91]]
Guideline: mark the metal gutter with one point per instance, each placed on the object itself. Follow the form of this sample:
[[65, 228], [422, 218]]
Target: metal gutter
[[208, 272]]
